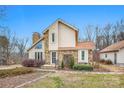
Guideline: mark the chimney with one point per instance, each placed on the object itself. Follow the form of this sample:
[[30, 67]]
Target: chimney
[[35, 37]]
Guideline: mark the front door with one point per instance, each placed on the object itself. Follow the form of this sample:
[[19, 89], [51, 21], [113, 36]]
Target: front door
[[66, 59], [53, 57]]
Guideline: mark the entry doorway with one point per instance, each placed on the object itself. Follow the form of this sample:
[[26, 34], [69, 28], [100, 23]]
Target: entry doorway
[[53, 57], [66, 59]]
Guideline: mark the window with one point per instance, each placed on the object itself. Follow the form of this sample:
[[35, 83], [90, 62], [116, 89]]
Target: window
[[41, 55], [38, 46], [53, 37], [38, 55], [82, 55], [53, 57], [35, 55], [105, 55]]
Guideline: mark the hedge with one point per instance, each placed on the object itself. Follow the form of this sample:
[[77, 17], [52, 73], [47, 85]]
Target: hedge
[[86, 67]]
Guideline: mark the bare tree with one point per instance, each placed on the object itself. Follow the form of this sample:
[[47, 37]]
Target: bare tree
[[98, 38], [89, 33], [3, 39], [11, 48], [21, 45], [8, 44]]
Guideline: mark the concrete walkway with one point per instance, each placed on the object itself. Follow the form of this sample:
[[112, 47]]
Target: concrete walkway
[[31, 81], [10, 66]]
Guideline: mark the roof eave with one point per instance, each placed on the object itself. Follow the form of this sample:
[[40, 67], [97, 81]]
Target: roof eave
[[109, 51], [35, 44], [60, 20]]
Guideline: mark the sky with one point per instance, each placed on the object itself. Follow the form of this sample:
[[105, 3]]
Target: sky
[[24, 20]]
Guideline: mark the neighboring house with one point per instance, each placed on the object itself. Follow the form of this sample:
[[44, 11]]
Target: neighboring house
[[114, 52], [58, 43]]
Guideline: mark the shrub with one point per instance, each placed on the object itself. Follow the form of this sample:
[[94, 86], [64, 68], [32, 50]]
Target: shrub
[[102, 61], [83, 67], [33, 63], [28, 63], [15, 71], [71, 63], [108, 62], [39, 63], [62, 65]]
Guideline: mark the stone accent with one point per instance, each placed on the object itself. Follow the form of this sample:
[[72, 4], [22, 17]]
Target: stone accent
[[90, 56], [61, 53], [46, 46]]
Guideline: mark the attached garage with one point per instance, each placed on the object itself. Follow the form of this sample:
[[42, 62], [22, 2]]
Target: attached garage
[[114, 52]]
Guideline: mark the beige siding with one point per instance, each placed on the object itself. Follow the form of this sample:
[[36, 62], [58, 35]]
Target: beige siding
[[53, 29], [120, 56], [110, 56], [33, 50], [67, 36], [85, 56]]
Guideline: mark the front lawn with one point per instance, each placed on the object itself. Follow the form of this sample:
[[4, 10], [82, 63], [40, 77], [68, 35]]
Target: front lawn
[[15, 71], [80, 80]]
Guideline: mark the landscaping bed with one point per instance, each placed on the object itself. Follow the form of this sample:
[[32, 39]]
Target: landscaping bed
[[15, 71]]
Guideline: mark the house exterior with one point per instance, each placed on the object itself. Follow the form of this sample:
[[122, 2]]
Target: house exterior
[[114, 52], [58, 42]]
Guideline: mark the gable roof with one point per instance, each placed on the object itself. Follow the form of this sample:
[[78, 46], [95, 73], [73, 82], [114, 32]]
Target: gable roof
[[44, 31], [62, 21], [113, 47], [35, 43]]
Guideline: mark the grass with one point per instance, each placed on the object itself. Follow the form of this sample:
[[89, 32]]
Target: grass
[[49, 82], [112, 67], [15, 71], [80, 80]]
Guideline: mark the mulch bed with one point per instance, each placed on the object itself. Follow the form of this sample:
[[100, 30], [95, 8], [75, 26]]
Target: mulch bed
[[11, 82]]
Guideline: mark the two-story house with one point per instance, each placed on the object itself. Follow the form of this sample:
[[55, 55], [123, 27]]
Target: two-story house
[[58, 42]]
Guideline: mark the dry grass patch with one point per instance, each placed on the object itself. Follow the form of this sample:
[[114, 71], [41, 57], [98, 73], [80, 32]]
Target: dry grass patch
[[15, 71], [81, 80]]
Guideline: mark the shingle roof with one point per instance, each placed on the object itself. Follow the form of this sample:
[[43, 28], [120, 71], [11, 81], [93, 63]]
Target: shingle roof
[[81, 45], [86, 45], [113, 47]]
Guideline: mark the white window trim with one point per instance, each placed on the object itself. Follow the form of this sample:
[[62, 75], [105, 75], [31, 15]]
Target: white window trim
[[51, 57], [52, 37], [81, 55]]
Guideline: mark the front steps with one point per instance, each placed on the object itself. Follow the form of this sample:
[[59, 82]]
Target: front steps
[[49, 67]]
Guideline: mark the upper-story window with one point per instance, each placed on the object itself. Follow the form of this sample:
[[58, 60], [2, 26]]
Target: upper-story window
[[53, 37], [38, 45]]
